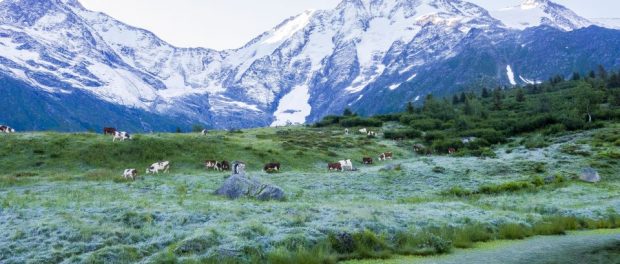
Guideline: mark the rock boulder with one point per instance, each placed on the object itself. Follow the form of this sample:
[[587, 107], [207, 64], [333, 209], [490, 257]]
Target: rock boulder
[[238, 185]]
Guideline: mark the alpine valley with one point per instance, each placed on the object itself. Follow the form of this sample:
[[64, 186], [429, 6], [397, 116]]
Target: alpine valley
[[64, 67]]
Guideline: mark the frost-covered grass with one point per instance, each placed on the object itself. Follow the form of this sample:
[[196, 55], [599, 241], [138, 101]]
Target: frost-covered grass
[[62, 197]]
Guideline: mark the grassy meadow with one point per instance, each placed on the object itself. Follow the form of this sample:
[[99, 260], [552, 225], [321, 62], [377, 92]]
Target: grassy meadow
[[63, 199]]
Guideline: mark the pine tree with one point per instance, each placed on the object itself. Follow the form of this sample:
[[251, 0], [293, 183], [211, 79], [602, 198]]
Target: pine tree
[[455, 100], [462, 98], [410, 109], [497, 99], [602, 73], [485, 93], [576, 76], [347, 112], [592, 75], [520, 95]]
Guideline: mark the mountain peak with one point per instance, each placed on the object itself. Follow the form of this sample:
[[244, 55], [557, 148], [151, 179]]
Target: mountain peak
[[533, 13]]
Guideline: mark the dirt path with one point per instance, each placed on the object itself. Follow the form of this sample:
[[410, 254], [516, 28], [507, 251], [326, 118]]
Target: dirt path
[[599, 246]]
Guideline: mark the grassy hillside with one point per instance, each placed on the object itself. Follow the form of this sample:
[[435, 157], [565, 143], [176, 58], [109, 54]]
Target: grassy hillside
[[63, 200]]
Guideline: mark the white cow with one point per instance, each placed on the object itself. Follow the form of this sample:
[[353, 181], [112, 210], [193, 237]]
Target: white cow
[[130, 173], [159, 166], [346, 164], [346, 131], [6, 129], [121, 135], [204, 132], [372, 133], [363, 131]]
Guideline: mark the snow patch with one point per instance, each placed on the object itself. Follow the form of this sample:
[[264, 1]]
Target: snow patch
[[394, 86], [511, 75], [293, 107], [528, 81]]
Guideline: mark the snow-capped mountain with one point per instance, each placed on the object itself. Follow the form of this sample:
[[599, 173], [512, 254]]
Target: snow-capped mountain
[[316, 63], [533, 13]]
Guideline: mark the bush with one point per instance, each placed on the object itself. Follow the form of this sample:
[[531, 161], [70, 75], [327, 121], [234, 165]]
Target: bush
[[424, 124], [490, 135], [533, 123], [513, 231], [434, 135]]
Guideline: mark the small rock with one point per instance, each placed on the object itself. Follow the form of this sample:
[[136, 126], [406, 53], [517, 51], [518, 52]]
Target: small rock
[[590, 175]]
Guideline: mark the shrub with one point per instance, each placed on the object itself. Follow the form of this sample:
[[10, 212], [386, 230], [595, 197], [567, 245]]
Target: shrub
[[513, 231], [434, 135], [489, 135], [424, 124]]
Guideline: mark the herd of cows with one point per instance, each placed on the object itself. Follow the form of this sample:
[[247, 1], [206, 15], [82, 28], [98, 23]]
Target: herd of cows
[[164, 166]]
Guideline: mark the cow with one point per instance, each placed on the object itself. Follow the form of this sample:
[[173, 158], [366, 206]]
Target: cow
[[159, 166], [271, 167], [121, 135], [385, 155], [346, 131], [334, 166], [130, 173], [372, 134], [363, 131], [213, 164], [346, 164], [367, 160], [204, 132], [225, 165], [109, 131], [451, 150], [419, 148], [6, 129]]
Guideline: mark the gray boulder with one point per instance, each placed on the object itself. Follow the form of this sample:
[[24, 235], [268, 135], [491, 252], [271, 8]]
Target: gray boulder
[[238, 185], [590, 175]]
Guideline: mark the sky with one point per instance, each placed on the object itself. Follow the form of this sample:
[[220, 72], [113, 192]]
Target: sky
[[229, 24]]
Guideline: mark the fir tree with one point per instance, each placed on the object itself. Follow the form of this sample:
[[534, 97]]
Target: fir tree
[[455, 100], [520, 95], [410, 109], [576, 76], [347, 112], [602, 73], [497, 99], [485, 93]]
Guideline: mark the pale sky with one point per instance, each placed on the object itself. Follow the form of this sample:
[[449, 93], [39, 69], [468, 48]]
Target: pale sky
[[228, 24]]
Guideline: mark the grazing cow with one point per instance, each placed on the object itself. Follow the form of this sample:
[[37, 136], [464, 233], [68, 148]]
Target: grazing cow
[[346, 164], [130, 173], [121, 135], [419, 148], [238, 167], [109, 131], [159, 166], [367, 160], [385, 155], [363, 131], [372, 133], [270, 167], [346, 131], [334, 166], [451, 150], [204, 132], [213, 164], [6, 129], [225, 165]]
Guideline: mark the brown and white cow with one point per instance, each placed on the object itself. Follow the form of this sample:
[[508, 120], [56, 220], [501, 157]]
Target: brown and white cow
[[419, 148], [451, 150], [6, 129], [385, 155], [334, 166], [225, 165], [213, 164], [271, 167], [121, 135], [130, 174], [155, 168], [109, 131], [367, 160]]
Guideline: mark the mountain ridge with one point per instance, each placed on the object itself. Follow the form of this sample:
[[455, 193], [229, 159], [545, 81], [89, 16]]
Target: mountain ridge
[[310, 65]]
